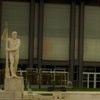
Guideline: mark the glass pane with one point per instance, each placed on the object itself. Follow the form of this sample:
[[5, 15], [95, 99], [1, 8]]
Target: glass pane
[[31, 77], [17, 16], [91, 77], [98, 69], [85, 77], [97, 84], [56, 32], [59, 79], [47, 79], [98, 77], [92, 33], [75, 76], [89, 69], [91, 85], [84, 84]]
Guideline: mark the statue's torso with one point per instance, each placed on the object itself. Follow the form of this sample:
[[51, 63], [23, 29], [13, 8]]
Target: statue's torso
[[12, 44]]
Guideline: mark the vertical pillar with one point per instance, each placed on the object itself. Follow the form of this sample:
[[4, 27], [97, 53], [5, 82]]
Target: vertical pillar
[[40, 38], [72, 40], [31, 42], [80, 42], [0, 22], [31, 33]]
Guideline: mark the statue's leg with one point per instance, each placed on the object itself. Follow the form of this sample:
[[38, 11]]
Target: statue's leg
[[16, 63], [11, 64]]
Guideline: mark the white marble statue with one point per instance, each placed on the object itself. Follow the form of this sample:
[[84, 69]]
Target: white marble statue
[[13, 51], [12, 46]]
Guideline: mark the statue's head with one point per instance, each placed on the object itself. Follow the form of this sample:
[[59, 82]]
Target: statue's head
[[14, 34]]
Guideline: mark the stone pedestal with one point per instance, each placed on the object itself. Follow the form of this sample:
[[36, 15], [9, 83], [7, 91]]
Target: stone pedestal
[[14, 84], [13, 88]]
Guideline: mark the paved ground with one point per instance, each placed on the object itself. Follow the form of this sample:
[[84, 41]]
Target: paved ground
[[54, 95]]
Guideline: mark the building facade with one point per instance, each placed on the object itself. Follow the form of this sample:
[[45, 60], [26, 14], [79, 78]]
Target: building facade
[[59, 41]]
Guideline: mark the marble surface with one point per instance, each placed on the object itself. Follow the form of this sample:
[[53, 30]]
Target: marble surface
[[14, 84]]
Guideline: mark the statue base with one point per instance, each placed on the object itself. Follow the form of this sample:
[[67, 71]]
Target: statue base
[[13, 88], [14, 84]]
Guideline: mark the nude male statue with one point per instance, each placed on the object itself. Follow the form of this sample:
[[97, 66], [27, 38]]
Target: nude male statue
[[13, 51]]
